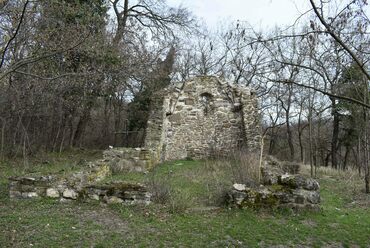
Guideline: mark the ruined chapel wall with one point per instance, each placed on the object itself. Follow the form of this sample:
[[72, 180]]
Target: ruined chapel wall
[[251, 120], [155, 131], [203, 117]]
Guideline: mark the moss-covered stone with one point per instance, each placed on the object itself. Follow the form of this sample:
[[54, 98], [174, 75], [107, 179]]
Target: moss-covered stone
[[291, 191]]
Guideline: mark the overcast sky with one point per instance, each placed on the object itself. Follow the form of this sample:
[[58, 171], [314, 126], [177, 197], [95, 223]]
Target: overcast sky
[[259, 13]]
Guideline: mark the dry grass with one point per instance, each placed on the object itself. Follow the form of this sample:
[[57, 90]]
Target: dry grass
[[240, 167], [222, 173], [209, 182], [350, 177], [349, 174], [160, 188]]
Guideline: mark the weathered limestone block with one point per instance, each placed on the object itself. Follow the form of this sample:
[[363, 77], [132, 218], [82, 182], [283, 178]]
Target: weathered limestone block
[[312, 197], [278, 191], [298, 181], [29, 195], [129, 159], [119, 192], [29, 187], [112, 200], [82, 184], [252, 197], [52, 193], [66, 186], [70, 194], [265, 197], [98, 171], [270, 175]]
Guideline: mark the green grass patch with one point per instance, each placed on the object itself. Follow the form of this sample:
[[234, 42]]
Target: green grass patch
[[49, 223]]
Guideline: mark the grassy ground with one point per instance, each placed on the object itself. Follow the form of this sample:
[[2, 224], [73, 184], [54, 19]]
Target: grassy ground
[[185, 221]]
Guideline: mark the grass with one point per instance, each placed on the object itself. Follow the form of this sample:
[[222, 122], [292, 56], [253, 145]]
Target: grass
[[179, 223]]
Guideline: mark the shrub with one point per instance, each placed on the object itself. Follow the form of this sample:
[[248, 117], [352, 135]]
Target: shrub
[[160, 188], [245, 167], [222, 173]]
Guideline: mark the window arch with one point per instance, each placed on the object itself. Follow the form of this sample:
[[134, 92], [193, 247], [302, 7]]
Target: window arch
[[206, 99]]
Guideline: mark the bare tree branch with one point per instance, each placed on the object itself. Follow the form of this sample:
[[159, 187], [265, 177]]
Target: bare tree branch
[[322, 92], [15, 33], [339, 40]]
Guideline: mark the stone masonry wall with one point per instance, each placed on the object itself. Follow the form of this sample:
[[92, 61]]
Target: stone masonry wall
[[280, 187], [155, 131], [201, 118], [83, 185], [129, 159]]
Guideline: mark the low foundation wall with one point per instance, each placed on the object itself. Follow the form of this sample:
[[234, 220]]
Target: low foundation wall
[[79, 186], [129, 159], [278, 190]]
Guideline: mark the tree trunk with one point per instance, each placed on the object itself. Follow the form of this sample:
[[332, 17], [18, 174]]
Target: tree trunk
[[2, 137], [288, 128], [121, 21], [310, 132], [82, 123], [272, 142], [366, 151], [335, 135], [346, 155], [366, 143], [301, 149], [300, 133]]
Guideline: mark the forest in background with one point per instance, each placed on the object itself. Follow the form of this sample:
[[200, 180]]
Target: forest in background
[[80, 73]]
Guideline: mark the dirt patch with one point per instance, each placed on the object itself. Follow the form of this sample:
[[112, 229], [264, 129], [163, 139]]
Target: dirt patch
[[103, 217]]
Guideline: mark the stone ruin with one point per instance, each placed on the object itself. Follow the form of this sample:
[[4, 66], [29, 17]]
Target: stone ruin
[[84, 185], [281, 187], [196, 119], [200, 118]]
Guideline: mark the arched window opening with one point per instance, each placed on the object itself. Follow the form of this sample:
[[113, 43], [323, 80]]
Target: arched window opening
[[206, 100]]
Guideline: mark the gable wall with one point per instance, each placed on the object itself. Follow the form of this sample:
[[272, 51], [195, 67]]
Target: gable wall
[[188, 126]]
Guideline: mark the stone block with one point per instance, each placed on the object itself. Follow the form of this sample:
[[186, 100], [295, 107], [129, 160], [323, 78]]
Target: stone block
[[189, 101], [15, 194], [94, 197], [312, 197], [175, 118], [298, 181], [270, 176], [278, 190], [29, 195], [52, 193], [70, 194], [112, 200]]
